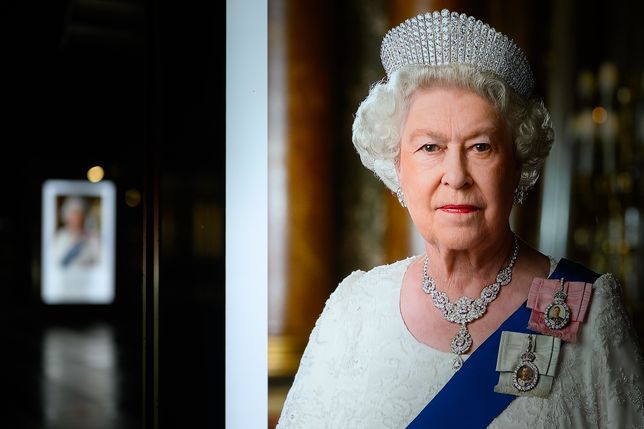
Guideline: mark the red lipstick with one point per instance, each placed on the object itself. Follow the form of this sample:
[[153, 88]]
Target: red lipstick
[[458, 208]]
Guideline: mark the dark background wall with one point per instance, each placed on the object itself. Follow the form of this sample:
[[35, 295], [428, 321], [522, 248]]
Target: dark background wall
[[138, 88]]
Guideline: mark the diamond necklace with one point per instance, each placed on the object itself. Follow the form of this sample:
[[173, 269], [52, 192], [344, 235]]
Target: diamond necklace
[[466, 309]]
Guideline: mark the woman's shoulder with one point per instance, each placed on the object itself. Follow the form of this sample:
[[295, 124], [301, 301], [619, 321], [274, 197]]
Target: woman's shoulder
[[386, 271], [608, 314], [604, 284], [361, 283], [381, 274], [607, 286]]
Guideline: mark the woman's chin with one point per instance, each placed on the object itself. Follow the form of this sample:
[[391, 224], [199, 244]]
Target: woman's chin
[[459, 237]]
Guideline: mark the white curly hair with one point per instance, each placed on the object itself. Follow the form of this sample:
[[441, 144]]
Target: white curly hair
[[379, 119]]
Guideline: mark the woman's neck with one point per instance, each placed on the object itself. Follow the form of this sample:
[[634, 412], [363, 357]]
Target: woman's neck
[[459, 272]]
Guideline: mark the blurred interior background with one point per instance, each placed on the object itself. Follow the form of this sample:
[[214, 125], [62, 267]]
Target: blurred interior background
[[135, 87], [328, 215]]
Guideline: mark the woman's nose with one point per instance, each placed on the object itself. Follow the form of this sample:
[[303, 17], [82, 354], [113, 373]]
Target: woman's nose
[[455, 170]]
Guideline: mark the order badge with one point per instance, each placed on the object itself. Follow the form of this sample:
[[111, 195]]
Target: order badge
[[526, 373], [559, 307], [557, 314], [527, 364]]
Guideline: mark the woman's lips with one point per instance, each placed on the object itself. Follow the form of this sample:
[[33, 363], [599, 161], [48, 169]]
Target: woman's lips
[[458, 208]]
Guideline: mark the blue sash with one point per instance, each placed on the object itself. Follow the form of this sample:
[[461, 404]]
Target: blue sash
[[72, 253], [468, 400]]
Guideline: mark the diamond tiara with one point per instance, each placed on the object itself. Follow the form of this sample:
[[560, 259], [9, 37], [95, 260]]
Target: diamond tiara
[[449, 38]]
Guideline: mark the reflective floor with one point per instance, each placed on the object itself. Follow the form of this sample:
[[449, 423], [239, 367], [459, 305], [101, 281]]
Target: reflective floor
[[71, 375]]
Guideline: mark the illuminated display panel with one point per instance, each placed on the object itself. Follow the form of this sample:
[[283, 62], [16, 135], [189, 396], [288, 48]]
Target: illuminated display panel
[[78, 242]]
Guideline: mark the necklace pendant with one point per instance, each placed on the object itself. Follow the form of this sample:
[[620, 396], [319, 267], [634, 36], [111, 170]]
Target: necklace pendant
[[462, 341], [457, 363]]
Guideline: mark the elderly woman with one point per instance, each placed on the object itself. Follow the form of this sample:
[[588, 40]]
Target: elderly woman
[[75, 244], [463, 335]]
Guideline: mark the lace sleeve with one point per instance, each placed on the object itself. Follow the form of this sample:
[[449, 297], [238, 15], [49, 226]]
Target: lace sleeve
[[617, 359], [308, 403], [609, 385]]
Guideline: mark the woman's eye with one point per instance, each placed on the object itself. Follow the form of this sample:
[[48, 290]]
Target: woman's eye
[[482, 147], [430, 148]]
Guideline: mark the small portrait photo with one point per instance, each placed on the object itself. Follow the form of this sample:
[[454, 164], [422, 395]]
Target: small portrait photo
[[557, 313], [525, 375]]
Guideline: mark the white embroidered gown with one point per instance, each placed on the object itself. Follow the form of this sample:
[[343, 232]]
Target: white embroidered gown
[[362, 368]]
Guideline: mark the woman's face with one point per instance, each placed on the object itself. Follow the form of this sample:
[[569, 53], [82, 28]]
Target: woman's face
[[456, 168]]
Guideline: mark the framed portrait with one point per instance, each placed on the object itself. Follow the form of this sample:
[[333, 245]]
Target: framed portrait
[[556, 311], [78, 242]]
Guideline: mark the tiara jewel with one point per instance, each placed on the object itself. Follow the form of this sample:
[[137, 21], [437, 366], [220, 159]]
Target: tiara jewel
[[449, 38]]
